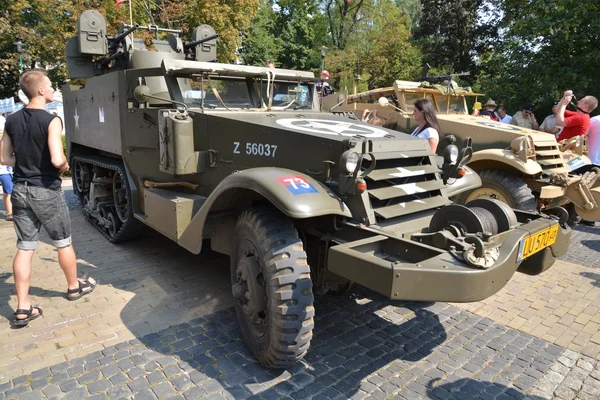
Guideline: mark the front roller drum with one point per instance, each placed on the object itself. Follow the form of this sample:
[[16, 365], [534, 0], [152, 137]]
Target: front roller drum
[[272, 288], [594, 213], [480, 215]]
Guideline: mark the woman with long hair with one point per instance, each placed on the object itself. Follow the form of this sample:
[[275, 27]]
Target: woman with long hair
[[429, 127]]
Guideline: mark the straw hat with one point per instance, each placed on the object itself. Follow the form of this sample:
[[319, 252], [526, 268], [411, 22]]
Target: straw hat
[[490, 102]]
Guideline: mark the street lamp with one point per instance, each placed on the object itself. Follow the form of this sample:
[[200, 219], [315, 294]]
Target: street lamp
[[20, 45], [323, 51]]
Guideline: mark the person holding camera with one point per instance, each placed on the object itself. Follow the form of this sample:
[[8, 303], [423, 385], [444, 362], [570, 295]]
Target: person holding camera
[[576, 123], [525, 118]]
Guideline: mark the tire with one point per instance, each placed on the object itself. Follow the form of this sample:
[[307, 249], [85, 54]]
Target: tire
[[573, 219], [267, 246], [514, 190]]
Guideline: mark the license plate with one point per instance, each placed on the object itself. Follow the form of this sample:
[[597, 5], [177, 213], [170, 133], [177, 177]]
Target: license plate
[[537, 242]]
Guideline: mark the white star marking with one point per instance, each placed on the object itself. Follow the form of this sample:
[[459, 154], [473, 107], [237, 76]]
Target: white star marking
[[404, 172], [76, 116], [340, 127], [410, 188], [331, 127]]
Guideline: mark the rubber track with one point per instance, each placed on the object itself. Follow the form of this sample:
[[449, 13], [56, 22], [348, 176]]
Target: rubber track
[[132, 227]]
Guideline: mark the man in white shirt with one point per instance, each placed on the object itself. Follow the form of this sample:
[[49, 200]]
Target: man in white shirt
[[504, 117], [549, 124]]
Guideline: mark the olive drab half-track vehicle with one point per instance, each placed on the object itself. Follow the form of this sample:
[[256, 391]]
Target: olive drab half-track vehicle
[[524, 168], [301, 200]]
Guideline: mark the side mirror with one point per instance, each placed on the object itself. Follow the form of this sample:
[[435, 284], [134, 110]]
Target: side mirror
[[142, 93], [455, 160]]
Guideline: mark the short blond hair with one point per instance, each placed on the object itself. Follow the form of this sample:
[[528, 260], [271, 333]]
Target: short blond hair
[[591, 102], [31, 80]]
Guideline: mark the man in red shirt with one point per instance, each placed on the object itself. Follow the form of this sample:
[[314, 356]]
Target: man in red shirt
[[576, 123]]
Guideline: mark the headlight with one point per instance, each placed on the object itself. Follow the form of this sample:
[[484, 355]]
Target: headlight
[[349, 161], [451, 154], [518, 144]]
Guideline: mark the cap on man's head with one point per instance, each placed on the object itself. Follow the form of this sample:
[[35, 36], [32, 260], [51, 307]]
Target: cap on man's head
[[528, 107], [325, 72], [490, 102], [555, 103]]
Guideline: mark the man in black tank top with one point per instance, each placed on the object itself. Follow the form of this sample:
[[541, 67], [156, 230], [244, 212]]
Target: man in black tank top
[[33, 146]]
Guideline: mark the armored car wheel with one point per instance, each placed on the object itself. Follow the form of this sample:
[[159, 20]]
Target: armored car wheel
[[501, 185], [272, 288]]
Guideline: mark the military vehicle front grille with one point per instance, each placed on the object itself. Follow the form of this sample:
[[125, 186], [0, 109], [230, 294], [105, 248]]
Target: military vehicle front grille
[[550, 158], [403, 186]]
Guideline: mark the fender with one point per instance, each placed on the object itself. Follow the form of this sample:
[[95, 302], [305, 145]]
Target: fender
[[469, 181], [508, 158], [294, 194]]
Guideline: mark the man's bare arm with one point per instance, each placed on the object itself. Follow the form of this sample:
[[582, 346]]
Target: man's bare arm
[[562, 106], [7, 156], [57, 155]]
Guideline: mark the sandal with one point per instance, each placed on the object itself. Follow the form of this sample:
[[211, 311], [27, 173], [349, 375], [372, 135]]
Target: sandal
[[85, 287], [30, 315]]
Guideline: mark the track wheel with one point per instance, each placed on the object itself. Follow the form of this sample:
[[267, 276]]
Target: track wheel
[[120, 197], [81, 178], [114, 224], [501, 185], [272, 288]]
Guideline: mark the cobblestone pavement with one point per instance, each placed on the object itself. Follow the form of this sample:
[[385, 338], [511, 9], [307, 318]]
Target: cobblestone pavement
[[585, 245], [160, 326]]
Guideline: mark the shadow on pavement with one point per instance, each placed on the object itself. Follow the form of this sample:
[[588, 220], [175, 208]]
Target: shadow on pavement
[[592, 244], [8, 289], [353, 339], [179, 307], [167, 288], [593, 276], [475, 389]]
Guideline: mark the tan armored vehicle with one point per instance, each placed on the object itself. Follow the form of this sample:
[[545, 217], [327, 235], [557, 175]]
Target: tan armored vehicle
[[524, 168], [241, 158]]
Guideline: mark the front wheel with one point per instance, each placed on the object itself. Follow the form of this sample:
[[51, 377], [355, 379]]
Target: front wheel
[[501, 185], [272, 288]]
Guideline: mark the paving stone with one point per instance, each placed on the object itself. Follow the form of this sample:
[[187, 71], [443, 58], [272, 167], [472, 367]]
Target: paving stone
[[180, 382], [119, 379], [35, 395], [52, 391], [163, 389], [68, 385], [99, 386], [145, 394], [77, 394]]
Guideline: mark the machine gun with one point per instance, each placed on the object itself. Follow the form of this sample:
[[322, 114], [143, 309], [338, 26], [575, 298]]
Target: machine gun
[[442, 78], [92, 52], [190, 48]]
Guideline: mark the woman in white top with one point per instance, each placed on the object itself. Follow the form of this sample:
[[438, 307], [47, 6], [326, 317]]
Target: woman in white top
[[429, 127]]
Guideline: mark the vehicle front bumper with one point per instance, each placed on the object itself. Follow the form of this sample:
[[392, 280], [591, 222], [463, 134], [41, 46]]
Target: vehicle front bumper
[[406, 270]]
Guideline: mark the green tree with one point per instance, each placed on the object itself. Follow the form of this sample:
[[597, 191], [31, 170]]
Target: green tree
[[343, 17], [547, 47], [381, 45], [287, 31], [260, 42], [454, 33], [45, 26], [413, 9]]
